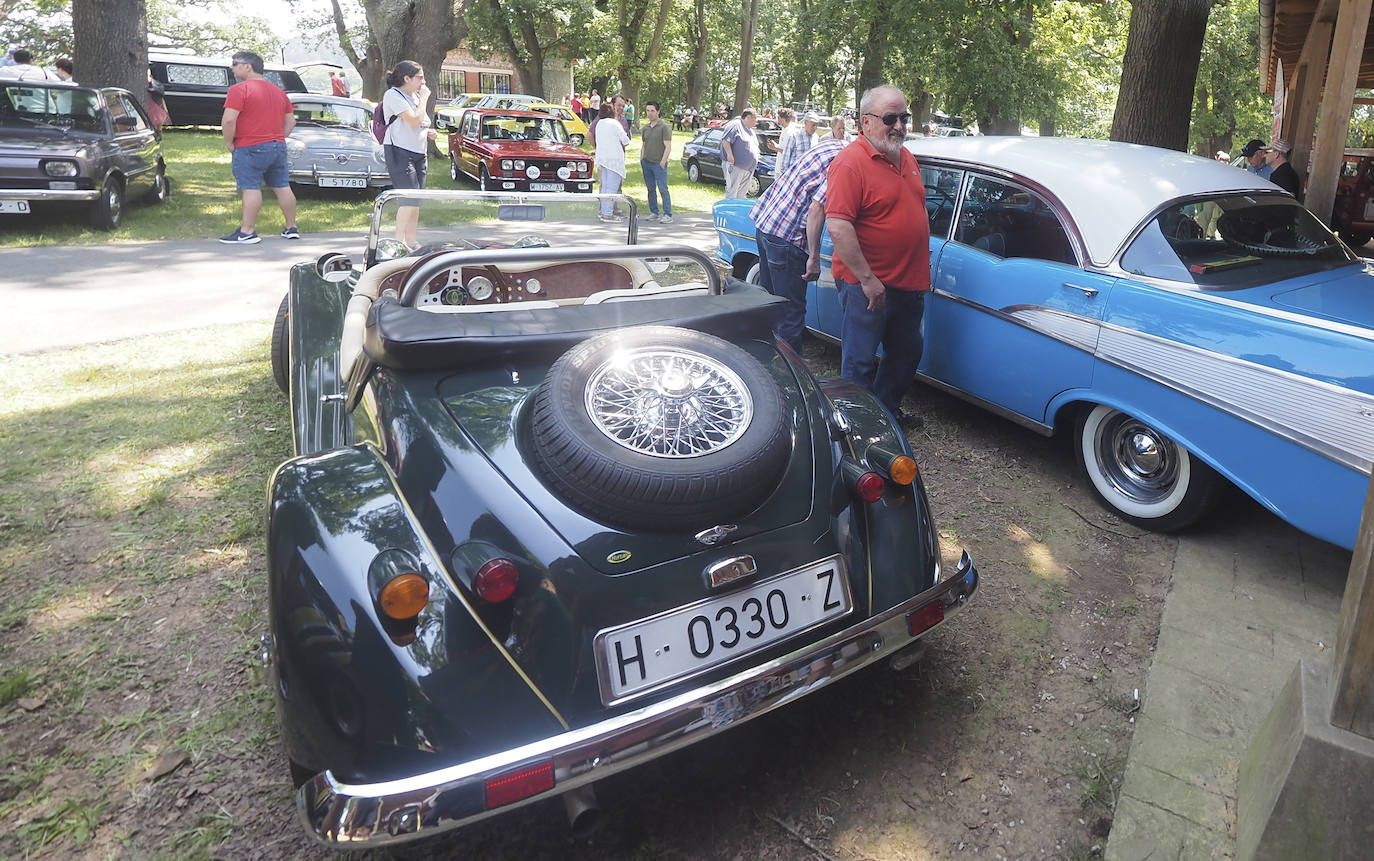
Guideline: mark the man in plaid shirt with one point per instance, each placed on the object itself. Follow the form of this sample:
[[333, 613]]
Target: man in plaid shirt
[[796, 140], [788, 250]]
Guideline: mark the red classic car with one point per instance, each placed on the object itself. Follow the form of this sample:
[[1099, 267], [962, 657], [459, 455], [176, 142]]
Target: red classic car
[[517, 151], [1353, 214]]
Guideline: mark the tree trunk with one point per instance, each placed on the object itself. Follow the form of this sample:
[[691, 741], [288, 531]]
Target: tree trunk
[[746, 55], [697, 78], [636, 55], [369, 65], [110, 43], [1159, 72], [422, 32], [874, 54]]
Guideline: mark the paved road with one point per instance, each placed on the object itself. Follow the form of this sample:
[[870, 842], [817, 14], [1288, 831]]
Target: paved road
[[63, 296]]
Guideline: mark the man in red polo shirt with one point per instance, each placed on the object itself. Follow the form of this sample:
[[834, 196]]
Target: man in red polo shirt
[[876, 214], [257, 119]]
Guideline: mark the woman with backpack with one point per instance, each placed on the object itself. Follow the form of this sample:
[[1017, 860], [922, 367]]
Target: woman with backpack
[[405, 143]]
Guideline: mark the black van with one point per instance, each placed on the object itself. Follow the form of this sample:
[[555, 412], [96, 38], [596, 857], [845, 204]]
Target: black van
[[194, 87]]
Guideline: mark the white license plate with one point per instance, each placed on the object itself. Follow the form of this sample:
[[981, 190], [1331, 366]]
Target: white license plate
[[14, 206], [689, 639], [546, 186], [342, 182], [1369, 210]]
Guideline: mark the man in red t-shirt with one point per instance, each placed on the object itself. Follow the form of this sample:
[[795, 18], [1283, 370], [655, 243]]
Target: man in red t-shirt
[[257, 119], [876, 214]]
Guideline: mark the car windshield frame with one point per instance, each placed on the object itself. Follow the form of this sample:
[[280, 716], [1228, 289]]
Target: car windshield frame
[[24, 105], [1233, 241]]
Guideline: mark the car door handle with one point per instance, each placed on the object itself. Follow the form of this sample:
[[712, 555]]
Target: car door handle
[[1087, 291]]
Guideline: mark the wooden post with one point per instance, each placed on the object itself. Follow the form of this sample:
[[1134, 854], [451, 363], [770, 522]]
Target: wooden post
[[1352, 674], [1347, 51], [1307, 92]]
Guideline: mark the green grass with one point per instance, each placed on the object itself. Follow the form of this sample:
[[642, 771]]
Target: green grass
[[133, 505], [205, 204]]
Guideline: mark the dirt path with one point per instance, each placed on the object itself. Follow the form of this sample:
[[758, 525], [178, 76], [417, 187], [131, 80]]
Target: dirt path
[[1008, 741]]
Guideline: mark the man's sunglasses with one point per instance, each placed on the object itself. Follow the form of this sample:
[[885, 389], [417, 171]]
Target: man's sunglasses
[[891, 119]]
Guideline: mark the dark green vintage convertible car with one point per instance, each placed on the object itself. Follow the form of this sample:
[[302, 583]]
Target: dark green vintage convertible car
[[559, 510]]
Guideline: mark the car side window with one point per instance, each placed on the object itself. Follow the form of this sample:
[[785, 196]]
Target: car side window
[[1008, 220], [140, 123], [713, 137], [207, 76], [470, 126], [116, 107], [942, 190]]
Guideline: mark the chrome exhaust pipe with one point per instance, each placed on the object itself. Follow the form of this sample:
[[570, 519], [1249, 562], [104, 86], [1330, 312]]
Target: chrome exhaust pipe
[[584, 813]]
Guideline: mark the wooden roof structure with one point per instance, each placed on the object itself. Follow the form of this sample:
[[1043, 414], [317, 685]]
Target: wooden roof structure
[[1326, 51]]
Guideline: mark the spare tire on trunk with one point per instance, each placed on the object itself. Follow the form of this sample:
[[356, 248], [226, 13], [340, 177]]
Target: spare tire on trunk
[[661, 429]]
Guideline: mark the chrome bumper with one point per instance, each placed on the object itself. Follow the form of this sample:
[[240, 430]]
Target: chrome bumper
[[50, 194], [364, 815]]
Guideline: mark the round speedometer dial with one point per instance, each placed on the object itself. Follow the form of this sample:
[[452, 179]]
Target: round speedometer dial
[[480, 288]]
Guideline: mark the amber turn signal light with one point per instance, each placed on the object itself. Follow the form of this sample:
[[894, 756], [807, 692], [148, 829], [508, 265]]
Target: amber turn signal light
[[899, 468], [902, 470], [404, 596]]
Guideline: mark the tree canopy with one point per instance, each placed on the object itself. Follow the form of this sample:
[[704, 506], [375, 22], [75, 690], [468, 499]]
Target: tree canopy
[[1053, 66]]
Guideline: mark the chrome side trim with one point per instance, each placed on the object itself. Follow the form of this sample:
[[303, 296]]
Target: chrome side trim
[[1075, 330], [996, 409], [1331, 421], [49, 194], [730, 232], [426, 804]]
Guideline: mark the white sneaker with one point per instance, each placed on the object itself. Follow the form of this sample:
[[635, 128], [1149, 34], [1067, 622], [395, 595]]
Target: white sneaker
[[666, 219]]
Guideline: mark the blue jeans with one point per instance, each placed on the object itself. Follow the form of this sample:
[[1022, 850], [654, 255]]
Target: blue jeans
[[656, 180], [897, 327], [610, 184], [258, 164], [782, 266]]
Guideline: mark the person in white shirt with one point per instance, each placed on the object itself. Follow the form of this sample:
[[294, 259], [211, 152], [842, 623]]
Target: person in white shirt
[[405, 144], [611, 142], [24, 70]]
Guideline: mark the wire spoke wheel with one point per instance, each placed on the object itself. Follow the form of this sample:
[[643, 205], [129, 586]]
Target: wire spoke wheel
[[668, 403]]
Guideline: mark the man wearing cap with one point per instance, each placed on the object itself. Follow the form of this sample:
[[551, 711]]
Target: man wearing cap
[[1283, 175], [1252, 159], [796, 140], [787, 249]]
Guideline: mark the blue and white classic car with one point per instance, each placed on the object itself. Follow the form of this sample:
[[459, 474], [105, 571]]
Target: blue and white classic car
[[1189, 323]]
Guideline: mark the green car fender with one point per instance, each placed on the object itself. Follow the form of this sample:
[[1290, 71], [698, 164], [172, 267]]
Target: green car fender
[[373, 697]]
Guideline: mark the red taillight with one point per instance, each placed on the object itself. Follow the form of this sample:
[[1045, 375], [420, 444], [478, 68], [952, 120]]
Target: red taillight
[[925, 618], [870, 487], [512, 786], [496, 580]]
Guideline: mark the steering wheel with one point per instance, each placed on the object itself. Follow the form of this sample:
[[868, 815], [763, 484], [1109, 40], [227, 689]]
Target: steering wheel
[[1280, 241]]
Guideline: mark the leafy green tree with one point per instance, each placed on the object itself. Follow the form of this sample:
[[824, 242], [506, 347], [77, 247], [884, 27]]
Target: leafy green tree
[[1228, 107], [530, 32], [42, 26]]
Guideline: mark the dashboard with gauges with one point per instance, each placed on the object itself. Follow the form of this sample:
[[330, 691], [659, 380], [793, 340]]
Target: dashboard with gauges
[[492, 285]]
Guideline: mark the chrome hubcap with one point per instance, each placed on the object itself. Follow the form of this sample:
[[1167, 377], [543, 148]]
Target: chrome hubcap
[[1139, 461], [668, 403]]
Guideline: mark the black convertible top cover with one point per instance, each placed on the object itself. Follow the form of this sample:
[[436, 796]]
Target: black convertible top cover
[[410, 339]]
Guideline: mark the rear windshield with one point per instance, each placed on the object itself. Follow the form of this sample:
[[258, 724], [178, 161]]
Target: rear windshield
[[23, 106], [332, 114], [1235, 241]]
